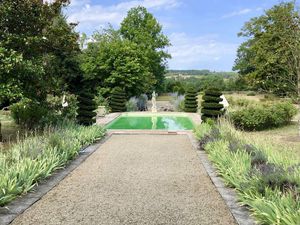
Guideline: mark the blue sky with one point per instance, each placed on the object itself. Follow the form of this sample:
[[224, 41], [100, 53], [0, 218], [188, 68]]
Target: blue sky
[[203, 33]]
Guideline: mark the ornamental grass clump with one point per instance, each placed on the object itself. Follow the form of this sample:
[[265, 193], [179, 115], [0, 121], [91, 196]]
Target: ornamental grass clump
[[267, 180], [37, 157], [211, 107]]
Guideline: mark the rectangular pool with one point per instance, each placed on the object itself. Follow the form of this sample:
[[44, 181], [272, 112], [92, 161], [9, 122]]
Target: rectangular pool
[[151, 122]]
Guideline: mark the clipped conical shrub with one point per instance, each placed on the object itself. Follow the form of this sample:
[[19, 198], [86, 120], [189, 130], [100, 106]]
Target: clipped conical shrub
[[211, 106], [190, 101], [118, 100], [86, 109]]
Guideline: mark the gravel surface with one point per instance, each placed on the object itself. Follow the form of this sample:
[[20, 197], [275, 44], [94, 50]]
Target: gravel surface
[[134, 179]]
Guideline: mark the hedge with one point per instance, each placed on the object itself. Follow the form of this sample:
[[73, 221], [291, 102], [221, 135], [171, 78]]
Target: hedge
[[261, 117]]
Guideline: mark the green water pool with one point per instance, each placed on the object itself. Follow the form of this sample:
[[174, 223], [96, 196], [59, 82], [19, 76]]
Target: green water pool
[[151, 123]]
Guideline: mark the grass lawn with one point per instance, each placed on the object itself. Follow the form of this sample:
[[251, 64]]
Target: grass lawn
[[283, 139], [245, 96], [164, 97], [9, 129]]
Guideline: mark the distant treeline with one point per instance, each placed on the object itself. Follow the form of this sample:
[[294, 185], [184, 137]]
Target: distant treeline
[[200, 73]]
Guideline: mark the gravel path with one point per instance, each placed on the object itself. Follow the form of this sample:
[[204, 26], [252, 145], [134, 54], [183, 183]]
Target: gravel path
[[134, 179]]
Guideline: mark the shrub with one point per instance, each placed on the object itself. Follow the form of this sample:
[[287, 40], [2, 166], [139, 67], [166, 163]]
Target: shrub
[[211, 107], [118, 100], [29, 113], [86, 109], [37, 157], [190, 101], [260, 117]]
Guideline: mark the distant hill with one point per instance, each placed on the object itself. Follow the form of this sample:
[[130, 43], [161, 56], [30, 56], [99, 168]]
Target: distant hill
[[190, 73]]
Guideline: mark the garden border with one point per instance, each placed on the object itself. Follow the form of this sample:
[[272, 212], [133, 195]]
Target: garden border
[[240, 213], [12, 210]]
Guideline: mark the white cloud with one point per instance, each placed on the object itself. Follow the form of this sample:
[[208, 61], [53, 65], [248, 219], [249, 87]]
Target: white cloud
[[238, 13], [200, 52], [94, 16]]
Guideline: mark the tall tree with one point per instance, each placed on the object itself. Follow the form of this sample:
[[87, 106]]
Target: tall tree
[[111, 61], [270, 58], [142, 28], [37, 48]]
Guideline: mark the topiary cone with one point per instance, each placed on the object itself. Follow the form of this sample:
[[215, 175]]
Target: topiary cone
[[211, 106], [190, 101], [118, 100], [86, 109]]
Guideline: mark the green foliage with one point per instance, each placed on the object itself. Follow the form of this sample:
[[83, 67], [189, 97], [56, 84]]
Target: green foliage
[[260, 117], [38, 57], [196, 73], [202, 130], [141, 28], [269, 59], [29, 113], [110, 61], [190, 101], [9, 93], [132, 57], [101, 101], [69, 112], [239, 102], [118, 100], [211, 108], [86, 108], [251, 93], [37, 157], [266, 182], [208, 98], [178, 81]]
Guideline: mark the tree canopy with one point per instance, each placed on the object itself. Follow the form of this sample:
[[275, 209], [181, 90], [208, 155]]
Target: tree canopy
[[38, 49], [109, 62], [132, 58], [142, 28], [270, 58]]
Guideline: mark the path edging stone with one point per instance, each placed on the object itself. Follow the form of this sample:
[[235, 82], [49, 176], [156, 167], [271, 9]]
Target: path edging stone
[[9, 212]]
